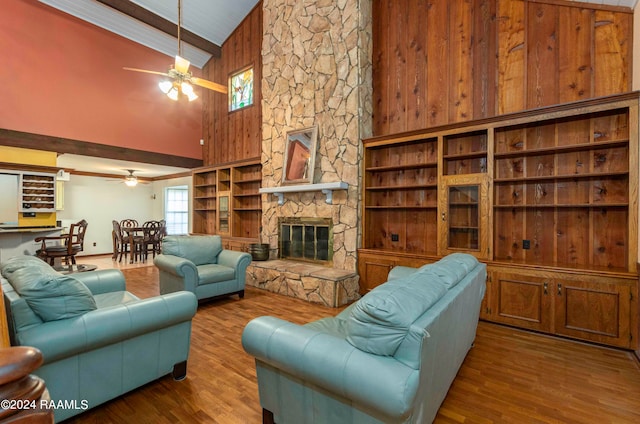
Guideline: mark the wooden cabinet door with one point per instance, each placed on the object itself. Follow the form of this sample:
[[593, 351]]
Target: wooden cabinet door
[[464, 215], [599, 312], [521, 300], [373, 271]]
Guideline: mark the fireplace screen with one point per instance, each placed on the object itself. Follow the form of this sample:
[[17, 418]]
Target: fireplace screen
[[307, 239]]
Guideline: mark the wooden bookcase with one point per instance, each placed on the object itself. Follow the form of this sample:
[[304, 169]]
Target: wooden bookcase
[[226, 201], [548, 198]]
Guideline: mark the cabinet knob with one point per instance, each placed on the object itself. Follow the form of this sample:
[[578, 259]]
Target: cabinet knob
[[444, 217], [559, 289], [546, 287]]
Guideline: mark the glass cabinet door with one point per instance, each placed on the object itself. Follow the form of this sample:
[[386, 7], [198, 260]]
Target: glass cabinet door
[[464, 215], [223, 213], [464, 219]]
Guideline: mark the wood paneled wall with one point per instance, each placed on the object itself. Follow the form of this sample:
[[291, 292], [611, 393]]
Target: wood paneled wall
[[232, 136], [438, 62]]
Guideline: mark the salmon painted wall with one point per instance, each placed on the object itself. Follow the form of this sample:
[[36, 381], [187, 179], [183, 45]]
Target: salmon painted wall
[[63, 77]]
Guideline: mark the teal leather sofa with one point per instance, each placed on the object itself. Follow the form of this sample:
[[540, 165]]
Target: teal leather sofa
[[97, 339], [388, 358], [200, 265]]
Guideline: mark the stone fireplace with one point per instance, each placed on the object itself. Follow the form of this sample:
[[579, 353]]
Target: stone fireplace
[[316, 71]]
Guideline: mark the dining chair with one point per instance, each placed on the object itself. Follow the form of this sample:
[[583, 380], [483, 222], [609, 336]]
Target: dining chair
[[130, 230], [121, 244], [129, 223], [153, 234], [65, 246]]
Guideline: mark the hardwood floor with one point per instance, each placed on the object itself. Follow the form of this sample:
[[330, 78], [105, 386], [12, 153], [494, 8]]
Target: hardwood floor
[[510, 376]]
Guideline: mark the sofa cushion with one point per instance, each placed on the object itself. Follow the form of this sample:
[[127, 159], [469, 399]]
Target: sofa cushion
[[116, 298], [198, 249], [214, 273], [380, 320], [51, 295]]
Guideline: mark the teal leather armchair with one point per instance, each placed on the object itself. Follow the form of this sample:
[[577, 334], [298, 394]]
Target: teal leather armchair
[[200, 265], [388, 358], [97, 339]]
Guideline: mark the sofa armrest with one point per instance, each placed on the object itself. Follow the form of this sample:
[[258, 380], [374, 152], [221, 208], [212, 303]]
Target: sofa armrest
[[63, 338], [102, 281], [377, 382], [180, 267], [234, 259]]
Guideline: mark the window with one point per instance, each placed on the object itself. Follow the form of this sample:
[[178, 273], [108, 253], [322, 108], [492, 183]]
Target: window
[[241, 89], [176, 209]]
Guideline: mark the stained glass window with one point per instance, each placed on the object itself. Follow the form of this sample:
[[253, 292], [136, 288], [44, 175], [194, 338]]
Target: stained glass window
[[241, 89]]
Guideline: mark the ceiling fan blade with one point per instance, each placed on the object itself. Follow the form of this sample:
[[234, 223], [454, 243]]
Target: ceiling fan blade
[[209, 84], [146, 71], [181, 65]]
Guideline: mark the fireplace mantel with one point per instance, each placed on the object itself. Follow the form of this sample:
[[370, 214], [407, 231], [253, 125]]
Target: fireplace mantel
[[326, 188]]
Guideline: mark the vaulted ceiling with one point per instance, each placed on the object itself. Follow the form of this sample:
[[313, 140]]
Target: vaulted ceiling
[[206, 24]]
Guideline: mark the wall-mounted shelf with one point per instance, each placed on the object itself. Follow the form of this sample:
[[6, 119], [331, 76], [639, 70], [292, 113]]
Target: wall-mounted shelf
[[37, 192], [326, 188]]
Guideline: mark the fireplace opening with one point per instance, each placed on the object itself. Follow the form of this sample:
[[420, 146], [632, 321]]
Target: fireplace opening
[[306, 239]]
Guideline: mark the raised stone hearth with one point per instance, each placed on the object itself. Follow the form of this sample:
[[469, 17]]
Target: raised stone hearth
[[313, 283]]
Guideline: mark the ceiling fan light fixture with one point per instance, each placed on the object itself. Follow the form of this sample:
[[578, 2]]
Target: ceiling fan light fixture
[[131, 181], [173, 94], [165, 86], [187, 90]]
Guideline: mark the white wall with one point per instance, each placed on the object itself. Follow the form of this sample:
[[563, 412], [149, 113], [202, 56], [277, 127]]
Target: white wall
[[100, 200]]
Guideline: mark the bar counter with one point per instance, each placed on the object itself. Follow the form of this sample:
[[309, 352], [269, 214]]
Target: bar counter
[[16, 241]]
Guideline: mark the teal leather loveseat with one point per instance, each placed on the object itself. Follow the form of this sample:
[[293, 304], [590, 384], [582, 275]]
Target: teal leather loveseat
[[97, 339], [388, 358], [200, 265]]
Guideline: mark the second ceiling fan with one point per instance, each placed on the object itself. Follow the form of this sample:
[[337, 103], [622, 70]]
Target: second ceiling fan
[[180, 76]]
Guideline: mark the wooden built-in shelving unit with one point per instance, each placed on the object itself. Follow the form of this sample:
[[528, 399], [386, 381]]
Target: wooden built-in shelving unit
[[548, 198], [226, 201]]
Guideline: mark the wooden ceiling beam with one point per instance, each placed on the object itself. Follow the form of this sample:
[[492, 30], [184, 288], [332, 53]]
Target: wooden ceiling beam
[[64, 145], [143, 15]]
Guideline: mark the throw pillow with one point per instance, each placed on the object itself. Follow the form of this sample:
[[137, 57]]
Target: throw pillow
[[51, 295], [17, 262], [379, 322]]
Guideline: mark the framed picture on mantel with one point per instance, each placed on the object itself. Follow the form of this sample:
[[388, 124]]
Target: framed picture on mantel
[[300, 156]]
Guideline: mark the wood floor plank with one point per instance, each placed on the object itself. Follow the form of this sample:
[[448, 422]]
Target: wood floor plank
[[509, 376]]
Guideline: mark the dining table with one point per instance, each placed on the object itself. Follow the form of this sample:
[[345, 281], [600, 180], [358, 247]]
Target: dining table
[[139, 239]]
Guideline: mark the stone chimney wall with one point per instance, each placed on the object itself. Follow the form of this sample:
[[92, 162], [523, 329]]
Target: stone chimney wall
[[316, 70]]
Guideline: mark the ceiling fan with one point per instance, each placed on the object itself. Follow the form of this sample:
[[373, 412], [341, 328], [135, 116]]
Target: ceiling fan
[[180, 77], [131, 180]]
